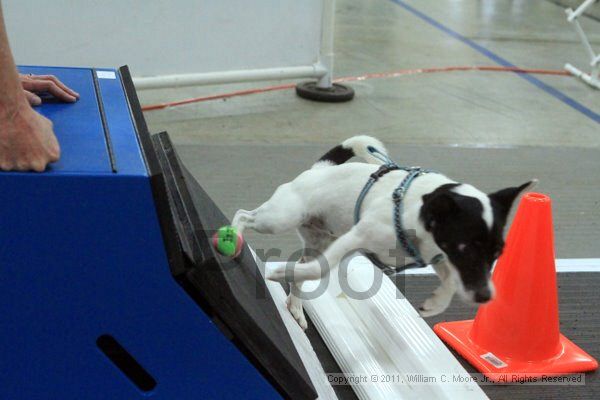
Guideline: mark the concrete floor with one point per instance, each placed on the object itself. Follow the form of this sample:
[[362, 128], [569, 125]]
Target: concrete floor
[[489, 129]]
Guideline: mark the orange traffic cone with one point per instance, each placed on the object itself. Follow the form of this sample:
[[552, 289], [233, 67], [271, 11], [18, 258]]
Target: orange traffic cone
[[517, 334]]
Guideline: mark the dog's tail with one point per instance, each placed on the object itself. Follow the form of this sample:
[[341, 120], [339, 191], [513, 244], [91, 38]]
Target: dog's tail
[[362, 146]]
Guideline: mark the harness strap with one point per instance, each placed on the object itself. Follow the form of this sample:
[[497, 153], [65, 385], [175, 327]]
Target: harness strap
[[384, 169], [397, 197]]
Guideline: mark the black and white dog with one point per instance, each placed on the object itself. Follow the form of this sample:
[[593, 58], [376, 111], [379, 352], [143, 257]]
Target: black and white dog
[[447, 217]]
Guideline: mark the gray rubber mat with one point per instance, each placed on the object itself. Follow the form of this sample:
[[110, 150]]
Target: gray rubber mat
[[579, 296], [244, 176]]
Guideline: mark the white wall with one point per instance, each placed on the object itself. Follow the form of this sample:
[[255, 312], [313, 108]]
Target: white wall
[[165, 37]]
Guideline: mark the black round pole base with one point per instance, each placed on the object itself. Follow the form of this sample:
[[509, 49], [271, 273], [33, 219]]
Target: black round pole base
[[335, 94]]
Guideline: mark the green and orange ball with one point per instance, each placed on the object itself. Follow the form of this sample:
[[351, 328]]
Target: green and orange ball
[[228, 241]]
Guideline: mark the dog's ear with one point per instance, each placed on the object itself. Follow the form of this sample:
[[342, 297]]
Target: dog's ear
[[504, 199], [436, 207]]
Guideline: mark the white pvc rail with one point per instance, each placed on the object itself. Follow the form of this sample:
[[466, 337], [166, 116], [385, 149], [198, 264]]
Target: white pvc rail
[[211, 78], [322, 69], [592, 78], [384, 336]]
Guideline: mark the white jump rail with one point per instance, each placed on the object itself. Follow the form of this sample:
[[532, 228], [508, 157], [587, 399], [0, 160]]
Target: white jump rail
[[322, 69], [383, 336], [591, 78], [317, 71], [181, 42]]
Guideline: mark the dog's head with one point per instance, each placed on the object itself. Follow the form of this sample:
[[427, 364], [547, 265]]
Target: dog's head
[[468, 226]]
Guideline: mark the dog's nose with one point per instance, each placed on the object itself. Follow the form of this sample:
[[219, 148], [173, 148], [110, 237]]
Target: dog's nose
[[483, 295]]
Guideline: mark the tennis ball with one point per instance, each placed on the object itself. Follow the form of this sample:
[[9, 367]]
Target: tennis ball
[[228, 241]]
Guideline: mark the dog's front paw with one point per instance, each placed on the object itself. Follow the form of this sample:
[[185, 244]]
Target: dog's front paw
[[294, 304], [276, 274], [433, 306]]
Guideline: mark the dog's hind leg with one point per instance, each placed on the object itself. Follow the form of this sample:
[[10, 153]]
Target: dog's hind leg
[[281, 213], [242, 219], [315, 242], [442, 296], [315, 239]]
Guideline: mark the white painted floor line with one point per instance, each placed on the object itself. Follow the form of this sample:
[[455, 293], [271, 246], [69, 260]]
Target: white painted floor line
[[562, 265], [578, 264]]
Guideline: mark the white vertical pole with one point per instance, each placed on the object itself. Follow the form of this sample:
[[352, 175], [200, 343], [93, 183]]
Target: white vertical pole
[[584, 39], [327, 34]]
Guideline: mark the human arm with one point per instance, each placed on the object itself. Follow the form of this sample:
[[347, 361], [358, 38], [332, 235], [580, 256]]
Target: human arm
[[27, 140]]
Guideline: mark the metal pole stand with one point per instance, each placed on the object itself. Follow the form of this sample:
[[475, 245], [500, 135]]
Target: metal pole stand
[[324, 89], [591, 78]]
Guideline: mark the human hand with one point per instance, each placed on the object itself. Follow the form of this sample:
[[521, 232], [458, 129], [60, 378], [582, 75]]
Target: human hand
[[27, 141], [33, 84]]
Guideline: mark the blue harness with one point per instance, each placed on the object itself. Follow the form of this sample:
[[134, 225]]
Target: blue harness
[[397, 197]]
